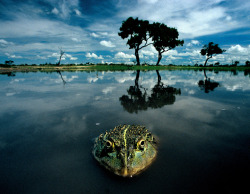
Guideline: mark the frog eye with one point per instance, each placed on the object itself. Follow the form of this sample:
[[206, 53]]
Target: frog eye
[[109, 144], [141, 144]]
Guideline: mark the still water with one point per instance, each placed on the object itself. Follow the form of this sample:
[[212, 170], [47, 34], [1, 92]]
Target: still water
[[48, 122]]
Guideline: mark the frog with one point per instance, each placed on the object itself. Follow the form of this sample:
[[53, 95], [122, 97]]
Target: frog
[[126, 150]]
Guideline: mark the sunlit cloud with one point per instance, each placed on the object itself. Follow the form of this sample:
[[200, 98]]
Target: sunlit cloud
[[93, 55], [107, 43], [122, 55]]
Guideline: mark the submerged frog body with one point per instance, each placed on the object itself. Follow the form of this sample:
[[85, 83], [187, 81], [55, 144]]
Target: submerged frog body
[[125, 150]]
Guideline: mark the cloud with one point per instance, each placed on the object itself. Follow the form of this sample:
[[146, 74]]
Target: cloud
[[55, 11], [93, 55], [122, 55], [64, 57], [13, 56], [193, 42], [4, 43], [193, 19], [70, 57], [107, 43], [147, 52], [108, 90], [75, 39], [238, 49], [94, 35], [77, 12]]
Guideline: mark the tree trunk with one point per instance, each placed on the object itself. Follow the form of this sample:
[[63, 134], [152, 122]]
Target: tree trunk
[[206, 61], [137, 56], [205, 73], [159, 76], [159, 58], [59, 62], [137, 78]]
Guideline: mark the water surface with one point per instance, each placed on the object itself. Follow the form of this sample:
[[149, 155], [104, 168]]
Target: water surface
[[48, 122]]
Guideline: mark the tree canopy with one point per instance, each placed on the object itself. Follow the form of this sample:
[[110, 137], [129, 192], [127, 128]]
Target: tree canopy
[[210, 50], [164, 38], [139, 33]]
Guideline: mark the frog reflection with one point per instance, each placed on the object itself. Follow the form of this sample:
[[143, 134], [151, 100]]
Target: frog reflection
[[138, 98], [207, 84]]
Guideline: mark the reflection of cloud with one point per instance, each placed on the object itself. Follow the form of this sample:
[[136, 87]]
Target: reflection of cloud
[[10, 94], [124, 78], [70, 79], [94, 79], [232, 83], [108, 90]]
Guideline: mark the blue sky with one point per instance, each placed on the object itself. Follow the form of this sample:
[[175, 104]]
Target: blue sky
[[32, 31]]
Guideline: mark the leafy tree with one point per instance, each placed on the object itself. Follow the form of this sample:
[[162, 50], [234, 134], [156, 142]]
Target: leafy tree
[[9, 62], [247, 63], [137, 32], [236, 63], [210, 50], [164, 38]]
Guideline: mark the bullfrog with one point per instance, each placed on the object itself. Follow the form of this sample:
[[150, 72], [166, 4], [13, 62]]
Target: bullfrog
[[126, 150]]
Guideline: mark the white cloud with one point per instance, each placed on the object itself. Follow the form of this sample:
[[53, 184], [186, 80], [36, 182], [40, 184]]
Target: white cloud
[[148, 1], [64, 57], [93, 55], [13, 56], [70, 57], [78, 12], [239, 50], [171, 52], [75, 39], [193, 42], [107, 43], [4, 43], [94, 35], [55, 11], [122, 55], [192, 53], [147, 52], [192, 19], [41, 57]]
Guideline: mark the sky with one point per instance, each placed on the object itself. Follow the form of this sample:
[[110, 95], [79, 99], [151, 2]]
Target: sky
[[34, 31]]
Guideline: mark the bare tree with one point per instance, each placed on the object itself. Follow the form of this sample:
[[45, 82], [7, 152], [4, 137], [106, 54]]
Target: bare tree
[[61, 54]]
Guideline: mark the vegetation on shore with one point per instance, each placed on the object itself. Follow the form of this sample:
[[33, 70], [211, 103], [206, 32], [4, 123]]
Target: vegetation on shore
[[114, 67]]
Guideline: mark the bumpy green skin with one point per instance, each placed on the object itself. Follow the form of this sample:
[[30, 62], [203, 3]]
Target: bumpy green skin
[[126, 150]]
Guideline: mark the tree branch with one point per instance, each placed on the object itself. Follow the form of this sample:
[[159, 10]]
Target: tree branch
[[146, 45]]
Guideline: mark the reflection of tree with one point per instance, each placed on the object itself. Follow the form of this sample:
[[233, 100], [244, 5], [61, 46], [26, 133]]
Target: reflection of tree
[[9, 74], [207, 85], [246, 72], [59, 72], [138, 99]]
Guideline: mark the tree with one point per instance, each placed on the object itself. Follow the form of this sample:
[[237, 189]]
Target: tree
[[138, 32], [164, 38], [9, 62], [61, 54], [235, 63], [247, 63], [210, 50]]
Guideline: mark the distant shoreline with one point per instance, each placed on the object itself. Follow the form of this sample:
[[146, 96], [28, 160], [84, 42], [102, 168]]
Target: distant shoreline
[[53, 68]]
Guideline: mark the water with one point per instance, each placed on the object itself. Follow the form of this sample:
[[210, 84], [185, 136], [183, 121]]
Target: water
[[48, 122]]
